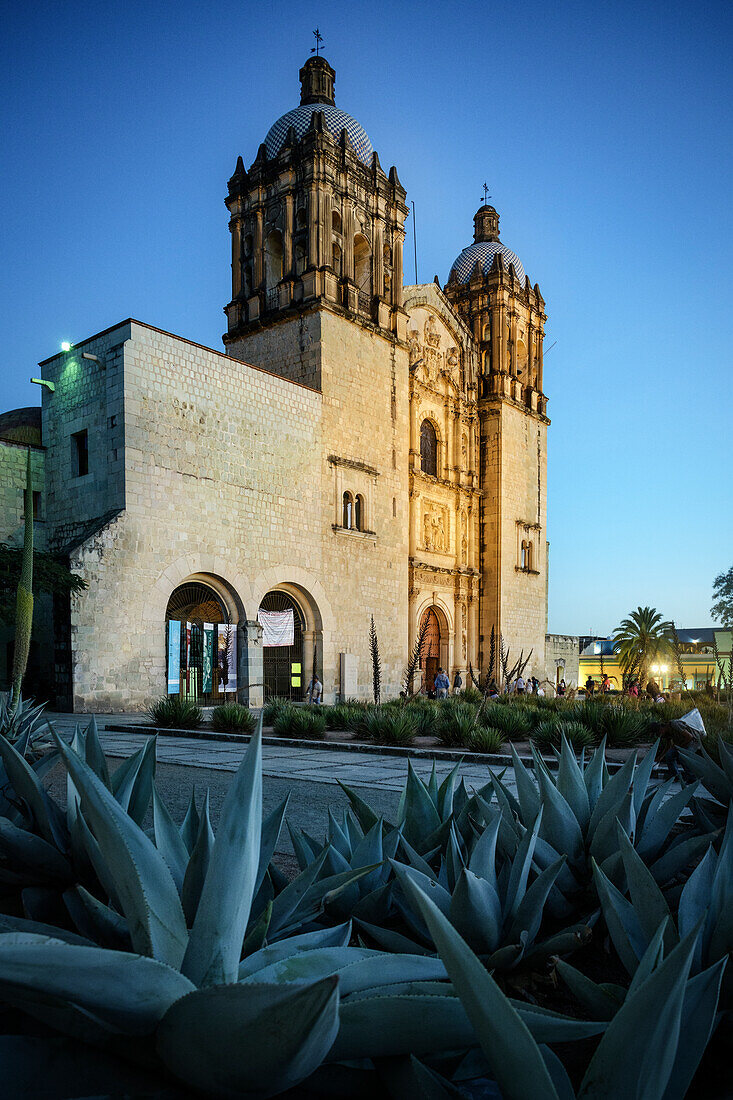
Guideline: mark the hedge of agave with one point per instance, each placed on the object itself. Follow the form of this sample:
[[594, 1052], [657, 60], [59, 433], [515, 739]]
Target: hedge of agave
[[181, 955]]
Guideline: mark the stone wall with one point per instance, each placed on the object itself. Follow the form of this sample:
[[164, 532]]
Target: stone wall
[[563, 648]]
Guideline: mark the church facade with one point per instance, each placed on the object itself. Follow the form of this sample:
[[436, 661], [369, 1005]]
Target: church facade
[[361, 449]]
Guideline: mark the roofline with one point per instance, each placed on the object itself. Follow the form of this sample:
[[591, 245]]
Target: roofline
[[192, 343]]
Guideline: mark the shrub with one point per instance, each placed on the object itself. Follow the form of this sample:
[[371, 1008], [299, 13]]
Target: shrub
[[172, 712], [304, 722], [550, 732], [340, 716], [469, 695], [457, 724], [515, 722], [271, 710], [233, 718], [486, 739], [390, 726], [623, 727]]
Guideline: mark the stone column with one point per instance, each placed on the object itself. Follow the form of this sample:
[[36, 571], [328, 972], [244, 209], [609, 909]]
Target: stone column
[[313, 226], [325, 225], [348, 238], [288, 239], [513, 338], [236, 228], [378, 260], [530, 353], [540, 360], [250, 664], [497, 338], [259, 250], [397, 274]]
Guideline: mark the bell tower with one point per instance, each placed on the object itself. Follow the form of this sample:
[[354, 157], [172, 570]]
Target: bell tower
[[315, 222], [506, 314]]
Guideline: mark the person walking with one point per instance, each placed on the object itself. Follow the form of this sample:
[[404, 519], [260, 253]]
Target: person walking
[[314, 691], [442, 683], [457, 682], [561, 688], [519, 685], [589, 686]]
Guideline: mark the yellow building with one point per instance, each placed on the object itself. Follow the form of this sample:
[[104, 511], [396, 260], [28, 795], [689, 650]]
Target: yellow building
[[698, 661]]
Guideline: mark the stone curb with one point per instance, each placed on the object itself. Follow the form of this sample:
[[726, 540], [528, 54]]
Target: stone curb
[[447, 755]]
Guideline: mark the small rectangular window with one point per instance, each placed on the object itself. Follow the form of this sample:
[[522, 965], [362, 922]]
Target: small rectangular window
[[36, 504], [80, 453]]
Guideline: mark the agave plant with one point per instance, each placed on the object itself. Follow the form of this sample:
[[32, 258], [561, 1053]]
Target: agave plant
[[25, 718], [583, 804], [705, 904], [651, 1048]]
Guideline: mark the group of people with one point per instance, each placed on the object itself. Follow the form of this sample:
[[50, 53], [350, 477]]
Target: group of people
[[633, 689], [530, 686]]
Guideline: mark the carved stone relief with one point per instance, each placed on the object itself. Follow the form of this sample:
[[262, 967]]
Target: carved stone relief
[[435, 527]]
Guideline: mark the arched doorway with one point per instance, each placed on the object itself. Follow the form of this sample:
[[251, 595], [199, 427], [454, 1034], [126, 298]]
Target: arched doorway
[[200, 644], [430, 651], [285, 667]]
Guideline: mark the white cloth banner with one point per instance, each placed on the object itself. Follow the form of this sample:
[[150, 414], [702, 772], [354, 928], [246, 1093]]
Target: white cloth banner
[[278, 627]]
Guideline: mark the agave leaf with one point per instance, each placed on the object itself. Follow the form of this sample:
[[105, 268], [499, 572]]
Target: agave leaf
[[326, 891], [514, 1057], [483, 857], [216, 939], [420, 815], [571, 786], [30, 855], [338, 837], [198, 865], [338, 936], [613, 793], [19, 924], [135, 793], [146, 890], [87, 854], [94, 754], [642, 775], [305, 853], [520, 868], [604, 844], [622, 921], [646, 897], [190, 825], [636, 1055], [72, 795], [369, 852], [527, 793], [390, 1024], [130, 992], [94, 919], [696, 1027], [501, 795], [364, 814], [475, 911], [430, 886], [357, 968], [657, 828], [280, 1034], [393, 941], [415, 859], [651, 958], [446, 792], [120, 775], [678, 858], [432, 786], [430, 1085], [593, 774], [287, 902], [595, 999], [713, 776], [528, 916], [28, 786], [169, 841], [547, 1026], [559, 824]]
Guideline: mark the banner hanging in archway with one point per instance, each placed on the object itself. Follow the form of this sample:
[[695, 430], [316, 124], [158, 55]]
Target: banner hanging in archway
[[227, 657], [174, 656], [208, 658], [278, 627]]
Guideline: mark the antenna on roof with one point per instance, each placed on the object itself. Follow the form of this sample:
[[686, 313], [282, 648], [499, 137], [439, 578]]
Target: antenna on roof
[[319, 39], [487, 196]]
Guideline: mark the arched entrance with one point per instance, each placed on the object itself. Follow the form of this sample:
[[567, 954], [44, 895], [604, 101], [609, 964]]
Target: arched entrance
[[430, 651], [200, 644], [286, 671]]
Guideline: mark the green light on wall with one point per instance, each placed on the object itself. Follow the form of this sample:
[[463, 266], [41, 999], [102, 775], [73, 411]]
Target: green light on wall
[[66, 346]]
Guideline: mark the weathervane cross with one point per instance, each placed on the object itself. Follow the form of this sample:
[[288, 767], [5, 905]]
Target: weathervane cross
[[319, 39], [487, 196]]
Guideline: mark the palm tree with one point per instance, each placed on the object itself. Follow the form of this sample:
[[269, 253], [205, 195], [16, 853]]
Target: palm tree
[[641, 639]]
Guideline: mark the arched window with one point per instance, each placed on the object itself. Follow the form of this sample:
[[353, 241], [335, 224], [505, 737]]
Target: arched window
[[530, 563], [428, 449], [523, 555], [348, 518], [336, 259], [274, 258], [359, 513], [299, 259], [300, 219], [336, 220]]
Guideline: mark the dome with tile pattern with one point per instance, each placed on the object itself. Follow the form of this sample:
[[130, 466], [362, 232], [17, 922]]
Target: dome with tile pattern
[[483, 253], [335, 121]]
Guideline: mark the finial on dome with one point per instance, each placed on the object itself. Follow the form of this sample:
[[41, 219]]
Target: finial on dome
[[317, 80], [486, 224]]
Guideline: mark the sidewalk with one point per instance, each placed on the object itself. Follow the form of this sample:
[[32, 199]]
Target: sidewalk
[[312, 762]]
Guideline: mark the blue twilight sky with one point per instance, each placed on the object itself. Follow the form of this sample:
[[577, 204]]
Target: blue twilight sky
[[603, 130]]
